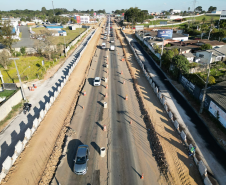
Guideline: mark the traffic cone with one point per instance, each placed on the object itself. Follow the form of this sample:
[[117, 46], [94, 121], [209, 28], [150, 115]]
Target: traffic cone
[[130, 122], [84, 93], [142, 176], [82, 107], [124, 82], [106, 86], [126, 97], [121, 72], [105, 128], [106, 95]]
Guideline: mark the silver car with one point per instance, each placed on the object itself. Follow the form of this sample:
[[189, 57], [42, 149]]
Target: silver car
[[81, 159]]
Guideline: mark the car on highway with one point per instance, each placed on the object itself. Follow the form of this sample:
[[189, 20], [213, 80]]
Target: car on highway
[[97, 81], [112, 40], [81, 159], [103, 45], [105, 38], [112, 48]]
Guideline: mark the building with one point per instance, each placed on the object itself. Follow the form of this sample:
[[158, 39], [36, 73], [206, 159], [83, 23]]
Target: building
[[53, 27], [77, 18], [174, 17], [216, 12], [223, 15], [85, 19], [176, 11]]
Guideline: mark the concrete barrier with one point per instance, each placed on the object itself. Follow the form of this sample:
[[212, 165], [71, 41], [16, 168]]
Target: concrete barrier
[[33, 129], [160, 95], [150, 81], [176, 125], [156, 90], [55, 95], [163, 100], [207, 181], [183, 135], [170, 115], [14, 157], [153, 85], [202, 168], [7, 164], [19, 148], [166, 107], [196, 160], [67, 77], [2, 176], [28, 133], [51, 100], [41, 114]]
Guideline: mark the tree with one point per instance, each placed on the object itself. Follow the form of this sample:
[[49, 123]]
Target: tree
[[135, 15], [206, 47], [22, 19], [211, 80], [198, 9], [157, 49], [181, 63], [211, 9], [4, 58], [23, 50], [203, 20], [43, 10], [73, 20], [222, 34], [6, 35]]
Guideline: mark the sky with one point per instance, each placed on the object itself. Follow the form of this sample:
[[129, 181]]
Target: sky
[[111, 5]]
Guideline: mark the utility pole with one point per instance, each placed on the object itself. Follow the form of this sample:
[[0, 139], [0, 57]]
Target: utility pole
[[162, 52], [53, 9], [65, 47], [18, 74], [206, 84], [209, 33]]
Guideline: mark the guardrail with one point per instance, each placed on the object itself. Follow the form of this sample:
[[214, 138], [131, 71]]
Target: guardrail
[[20, 146], [202, 168]]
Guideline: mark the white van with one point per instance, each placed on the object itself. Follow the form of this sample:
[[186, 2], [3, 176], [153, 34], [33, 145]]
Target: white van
[[103, 45], [112, 48]]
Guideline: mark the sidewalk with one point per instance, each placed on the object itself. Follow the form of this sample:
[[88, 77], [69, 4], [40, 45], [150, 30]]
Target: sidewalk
[[32, 161]]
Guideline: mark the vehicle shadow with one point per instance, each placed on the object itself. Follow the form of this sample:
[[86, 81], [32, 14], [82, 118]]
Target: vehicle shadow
[[96, 147], [90, 80], [71, 151]]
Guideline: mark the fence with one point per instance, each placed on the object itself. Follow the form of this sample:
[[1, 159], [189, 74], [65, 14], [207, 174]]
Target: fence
[[202, 168], [20, 146]]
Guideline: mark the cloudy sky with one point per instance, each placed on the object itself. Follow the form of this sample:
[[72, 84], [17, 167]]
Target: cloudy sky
[[111, 5]]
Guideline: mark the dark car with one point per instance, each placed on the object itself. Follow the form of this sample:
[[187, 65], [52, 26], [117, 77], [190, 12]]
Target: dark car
[[81, 159]]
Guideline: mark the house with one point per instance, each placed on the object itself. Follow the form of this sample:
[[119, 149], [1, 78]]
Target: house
[[218, 54], [53, 27], [213, 43], [216, 102], [190, 57]]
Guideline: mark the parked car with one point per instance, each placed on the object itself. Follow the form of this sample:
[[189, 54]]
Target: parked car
[[97, 81], [81, 159]]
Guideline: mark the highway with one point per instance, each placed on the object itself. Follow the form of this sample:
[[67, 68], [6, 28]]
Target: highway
[[128, 152]]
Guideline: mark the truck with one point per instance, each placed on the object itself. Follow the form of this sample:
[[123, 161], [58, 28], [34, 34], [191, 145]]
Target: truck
[[112, 47]]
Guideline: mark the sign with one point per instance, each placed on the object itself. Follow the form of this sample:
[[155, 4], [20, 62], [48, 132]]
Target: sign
[[141, 27], [218, 113], [165, 33]]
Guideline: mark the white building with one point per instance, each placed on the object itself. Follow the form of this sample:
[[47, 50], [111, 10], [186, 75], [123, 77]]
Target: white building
[[176, 11], [223, 15], [173, 17], [84, 19]]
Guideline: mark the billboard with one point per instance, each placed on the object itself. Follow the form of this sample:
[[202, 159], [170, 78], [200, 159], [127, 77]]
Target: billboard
[[78, 19], [94, 14], [141, 27], [165, 33]]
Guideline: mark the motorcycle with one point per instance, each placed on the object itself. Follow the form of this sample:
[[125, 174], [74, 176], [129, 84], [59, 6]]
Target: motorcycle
[[27, 107]]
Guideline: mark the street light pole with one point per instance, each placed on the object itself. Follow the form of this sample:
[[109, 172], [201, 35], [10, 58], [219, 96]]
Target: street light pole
[[206, 84], [65, 47], [18, 74]]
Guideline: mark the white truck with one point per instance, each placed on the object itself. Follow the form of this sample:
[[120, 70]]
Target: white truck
[[112, 47]]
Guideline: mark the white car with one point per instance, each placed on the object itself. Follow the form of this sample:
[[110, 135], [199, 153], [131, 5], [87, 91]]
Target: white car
[[112, 48], [97, 81]]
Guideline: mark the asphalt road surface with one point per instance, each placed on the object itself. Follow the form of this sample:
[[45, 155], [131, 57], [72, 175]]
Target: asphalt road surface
[[25, 41]]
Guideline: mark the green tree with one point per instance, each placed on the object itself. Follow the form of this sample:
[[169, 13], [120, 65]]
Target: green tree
[[23, 50], [43, 10], [203, 20], [4, 59], [181, 63], [211, 80], [222, 34], [206, 47], [73, 20], [6, 35], [157, 49], [22, 19], [198, 9], [211, 9]]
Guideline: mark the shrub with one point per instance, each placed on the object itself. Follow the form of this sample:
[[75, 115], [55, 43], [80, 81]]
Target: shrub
[[211, 80], [23, 50]]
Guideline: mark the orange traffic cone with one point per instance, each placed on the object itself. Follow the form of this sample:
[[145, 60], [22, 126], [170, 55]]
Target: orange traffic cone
[[106, 95], [142, 176], [124, 82], [84, 93], [82, 107], [106, 86], [126, 97], [130, 122], [121, 72]]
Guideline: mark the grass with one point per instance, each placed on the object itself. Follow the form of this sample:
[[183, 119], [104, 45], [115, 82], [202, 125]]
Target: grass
[[208, 18], [71, 35], [155, 22], [20, 34], [12, 113], [6, 93], [35, 71]]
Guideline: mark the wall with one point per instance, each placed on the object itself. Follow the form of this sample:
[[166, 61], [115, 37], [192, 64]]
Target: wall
[[6, 107]]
